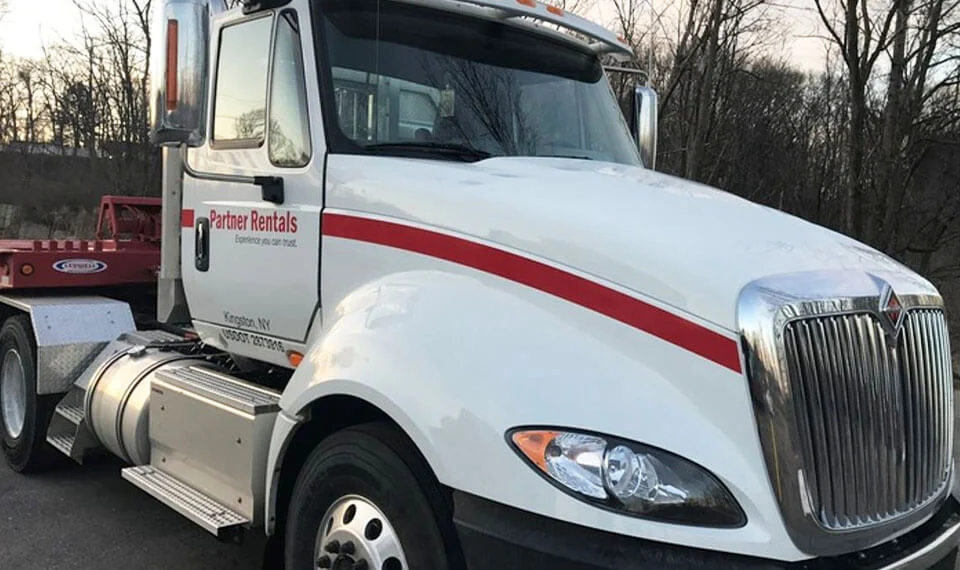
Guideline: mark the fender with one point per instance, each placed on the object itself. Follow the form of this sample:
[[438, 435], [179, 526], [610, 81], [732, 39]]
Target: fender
[[456, 357], [70, 331]]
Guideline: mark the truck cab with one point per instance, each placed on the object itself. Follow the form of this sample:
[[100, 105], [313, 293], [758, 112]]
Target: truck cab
[[424, 303], [337, 102]]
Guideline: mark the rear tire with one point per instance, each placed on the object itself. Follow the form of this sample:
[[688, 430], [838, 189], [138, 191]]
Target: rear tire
[[367, 486], [24, 416]]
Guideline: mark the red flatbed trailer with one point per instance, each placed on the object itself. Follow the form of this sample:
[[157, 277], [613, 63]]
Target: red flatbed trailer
[[126, 251]]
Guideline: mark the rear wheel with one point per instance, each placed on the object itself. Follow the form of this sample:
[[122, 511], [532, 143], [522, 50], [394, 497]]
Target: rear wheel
[[365, 501], [24, 416]]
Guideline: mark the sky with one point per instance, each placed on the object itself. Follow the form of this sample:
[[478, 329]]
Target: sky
[[29, 24]]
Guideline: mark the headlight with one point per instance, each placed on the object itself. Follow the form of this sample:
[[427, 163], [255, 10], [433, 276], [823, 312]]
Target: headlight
[[629, 477]]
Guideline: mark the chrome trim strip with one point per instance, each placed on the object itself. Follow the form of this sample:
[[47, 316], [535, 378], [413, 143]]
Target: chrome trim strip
[[765, 308], [931, 553]]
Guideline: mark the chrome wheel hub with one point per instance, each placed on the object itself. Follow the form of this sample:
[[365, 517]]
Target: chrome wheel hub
[[355, 535], [13, 393]]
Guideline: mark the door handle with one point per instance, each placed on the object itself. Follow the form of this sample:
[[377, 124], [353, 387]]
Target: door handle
[[201, 251]]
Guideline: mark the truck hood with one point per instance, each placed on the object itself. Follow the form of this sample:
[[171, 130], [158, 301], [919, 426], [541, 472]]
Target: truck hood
[[683, 244]]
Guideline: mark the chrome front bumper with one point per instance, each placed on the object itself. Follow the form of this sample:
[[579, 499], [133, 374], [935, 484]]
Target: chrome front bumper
[[932, 553]]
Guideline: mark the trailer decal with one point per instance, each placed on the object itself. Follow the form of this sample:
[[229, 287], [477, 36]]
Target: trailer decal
[[80, 266], [588, 294]]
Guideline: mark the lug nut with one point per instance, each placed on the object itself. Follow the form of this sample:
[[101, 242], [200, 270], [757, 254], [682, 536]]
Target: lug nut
[[348, 548], [360, 565], [333, 547], [324, 562]]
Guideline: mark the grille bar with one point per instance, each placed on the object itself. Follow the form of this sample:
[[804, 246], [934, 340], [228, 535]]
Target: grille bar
[[875, 420]]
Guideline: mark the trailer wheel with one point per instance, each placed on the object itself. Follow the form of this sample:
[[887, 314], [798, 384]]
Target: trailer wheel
[[24, 416], [365, 500]]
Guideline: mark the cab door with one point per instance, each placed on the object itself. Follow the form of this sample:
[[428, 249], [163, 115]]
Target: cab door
[[253, 192]]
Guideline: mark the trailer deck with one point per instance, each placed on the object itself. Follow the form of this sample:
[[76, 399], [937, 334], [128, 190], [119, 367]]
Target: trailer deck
[[125, 251]]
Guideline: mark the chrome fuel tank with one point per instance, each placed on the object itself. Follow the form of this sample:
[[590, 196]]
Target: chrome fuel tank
[[118, 399]]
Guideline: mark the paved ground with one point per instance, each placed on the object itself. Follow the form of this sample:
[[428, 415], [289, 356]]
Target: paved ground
[[89, 518]]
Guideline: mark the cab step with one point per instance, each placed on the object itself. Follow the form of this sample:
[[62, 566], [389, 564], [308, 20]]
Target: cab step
[[211, 431], [67, 432], [224, 389], [62, 442], [73, 414], [218, 520]]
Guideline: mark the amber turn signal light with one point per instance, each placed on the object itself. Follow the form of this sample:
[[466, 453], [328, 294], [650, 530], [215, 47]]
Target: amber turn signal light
[[534, 445], [294, 358]]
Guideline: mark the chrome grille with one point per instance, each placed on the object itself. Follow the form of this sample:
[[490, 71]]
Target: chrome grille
[[874, 419]]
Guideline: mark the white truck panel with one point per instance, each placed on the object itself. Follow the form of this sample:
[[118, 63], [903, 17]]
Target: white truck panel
[[683, 244], [536, 359], [261, 281], [457, 357]]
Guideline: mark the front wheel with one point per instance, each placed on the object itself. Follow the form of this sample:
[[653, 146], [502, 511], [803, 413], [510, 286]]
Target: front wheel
[[365, 501]]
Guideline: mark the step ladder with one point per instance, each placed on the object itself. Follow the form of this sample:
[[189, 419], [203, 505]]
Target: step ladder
[[68, 432], [218, 520]]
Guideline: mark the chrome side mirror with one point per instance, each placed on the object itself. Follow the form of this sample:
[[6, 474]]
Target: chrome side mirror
[[644, 123], [179, 72]]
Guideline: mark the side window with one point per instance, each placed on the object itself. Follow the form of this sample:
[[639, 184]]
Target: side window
[[240, 102], [289, 124]]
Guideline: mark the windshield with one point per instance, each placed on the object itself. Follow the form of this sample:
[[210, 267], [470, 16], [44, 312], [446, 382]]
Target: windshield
[[438, 84]]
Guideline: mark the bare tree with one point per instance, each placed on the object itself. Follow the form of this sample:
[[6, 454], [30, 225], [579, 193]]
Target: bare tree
[[116, 42], [909, 37], [870, 144], [698, 48]]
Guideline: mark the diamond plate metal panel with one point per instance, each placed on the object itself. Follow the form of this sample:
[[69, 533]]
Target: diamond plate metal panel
[[86, 319], [70, 333], [58, 366]]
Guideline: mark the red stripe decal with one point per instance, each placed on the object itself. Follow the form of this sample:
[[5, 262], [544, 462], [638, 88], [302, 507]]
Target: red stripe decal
[[186, 218], [614, 304]]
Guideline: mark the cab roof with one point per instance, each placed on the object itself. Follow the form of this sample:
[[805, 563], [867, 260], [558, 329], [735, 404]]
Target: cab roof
[[532, 12]]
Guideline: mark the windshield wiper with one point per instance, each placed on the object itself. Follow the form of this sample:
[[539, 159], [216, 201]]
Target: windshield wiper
[[571, 156], [452, 150]]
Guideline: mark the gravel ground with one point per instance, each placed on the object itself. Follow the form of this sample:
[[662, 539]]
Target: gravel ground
[[88, 517]]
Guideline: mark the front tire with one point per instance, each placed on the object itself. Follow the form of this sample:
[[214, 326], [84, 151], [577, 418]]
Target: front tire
[[24, 416], [365, 500]]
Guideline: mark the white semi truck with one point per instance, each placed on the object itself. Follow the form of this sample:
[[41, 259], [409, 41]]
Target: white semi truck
[[416, 300]]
